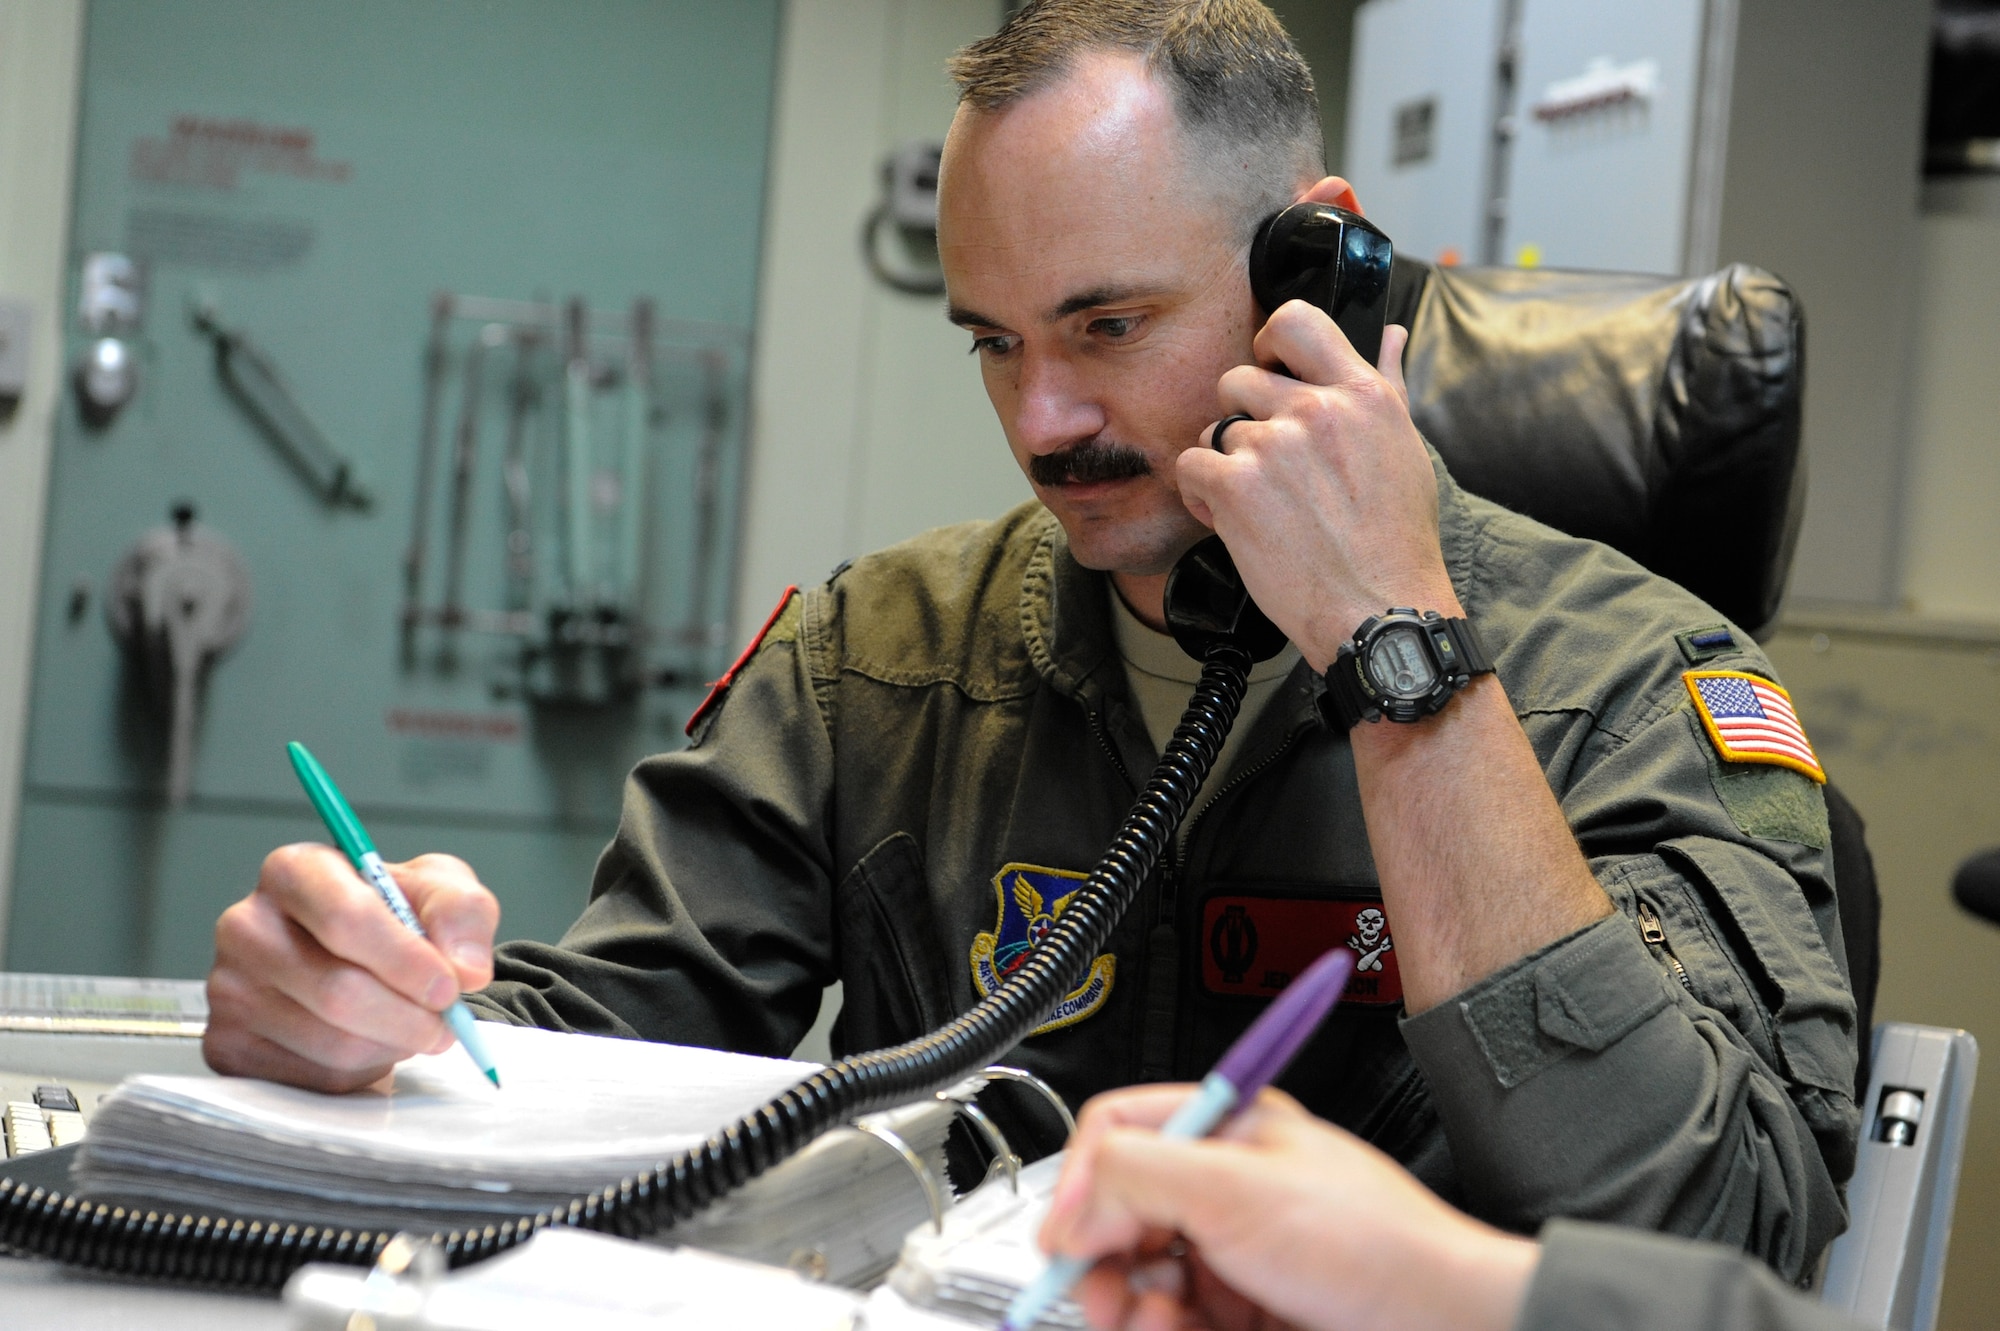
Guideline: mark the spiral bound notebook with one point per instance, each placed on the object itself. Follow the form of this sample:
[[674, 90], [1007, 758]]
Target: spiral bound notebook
[[443, 1149]]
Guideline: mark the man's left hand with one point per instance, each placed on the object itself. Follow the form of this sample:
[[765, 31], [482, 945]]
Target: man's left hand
[[1328, 503], [1326, 499]]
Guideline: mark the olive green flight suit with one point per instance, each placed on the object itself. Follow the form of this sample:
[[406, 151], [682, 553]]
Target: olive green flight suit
[[955, 704], [1594, 1277]]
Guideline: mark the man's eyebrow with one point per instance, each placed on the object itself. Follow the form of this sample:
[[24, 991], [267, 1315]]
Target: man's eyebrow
[[1076, 304], [965, 318], [1110, 294]]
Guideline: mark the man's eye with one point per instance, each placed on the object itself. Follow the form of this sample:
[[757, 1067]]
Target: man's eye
[[1115, 327], [998, 344]]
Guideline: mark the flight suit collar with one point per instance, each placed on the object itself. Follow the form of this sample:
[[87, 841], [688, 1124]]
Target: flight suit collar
[[1066, 620]]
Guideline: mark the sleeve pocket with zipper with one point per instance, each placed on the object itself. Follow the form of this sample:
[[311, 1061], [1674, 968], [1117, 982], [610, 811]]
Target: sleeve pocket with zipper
[[1740, 938], [1807, 1011]]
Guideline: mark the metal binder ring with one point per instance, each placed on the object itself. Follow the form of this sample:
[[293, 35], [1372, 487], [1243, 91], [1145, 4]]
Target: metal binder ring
[[1001, 1072], [1215, 440], [1003, 1153], [917, 1166]]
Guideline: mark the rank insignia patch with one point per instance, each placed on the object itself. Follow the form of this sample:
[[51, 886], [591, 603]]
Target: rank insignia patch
[[1699, 645], [1252, 946], [1031, 899], [1750, 720]]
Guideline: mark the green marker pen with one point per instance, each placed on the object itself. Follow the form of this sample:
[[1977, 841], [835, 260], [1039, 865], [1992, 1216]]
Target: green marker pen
[[353, 840]]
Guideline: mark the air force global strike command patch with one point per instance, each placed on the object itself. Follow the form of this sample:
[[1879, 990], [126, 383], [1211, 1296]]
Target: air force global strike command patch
[[1031, 899], [1750, 720]]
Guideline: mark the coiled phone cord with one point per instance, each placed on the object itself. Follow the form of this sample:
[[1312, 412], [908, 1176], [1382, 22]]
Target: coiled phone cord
[[251, 1254]]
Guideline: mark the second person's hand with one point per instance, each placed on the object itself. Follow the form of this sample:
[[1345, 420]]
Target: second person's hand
[[1290, 1221], [316, 982]]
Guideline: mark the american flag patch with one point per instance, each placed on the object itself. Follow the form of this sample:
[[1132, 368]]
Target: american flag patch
[[1750, 720]]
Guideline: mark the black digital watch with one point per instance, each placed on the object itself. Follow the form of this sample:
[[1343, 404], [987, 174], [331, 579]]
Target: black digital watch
[[1401, 666]]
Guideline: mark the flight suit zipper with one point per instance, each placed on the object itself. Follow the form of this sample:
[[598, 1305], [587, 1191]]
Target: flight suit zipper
[[1104, 742], [1247, 774], [1159, 1056], [1170, 860], [1166, 867], [1152, 1053], [1159, 1029], [1656, 939]]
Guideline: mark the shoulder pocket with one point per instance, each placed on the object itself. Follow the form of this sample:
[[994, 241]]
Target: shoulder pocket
[[892, 985]]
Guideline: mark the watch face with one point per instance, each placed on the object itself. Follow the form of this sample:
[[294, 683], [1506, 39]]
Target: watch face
[[1399, 665]]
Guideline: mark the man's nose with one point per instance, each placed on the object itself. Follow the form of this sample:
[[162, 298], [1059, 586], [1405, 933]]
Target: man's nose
[[1056, 406]]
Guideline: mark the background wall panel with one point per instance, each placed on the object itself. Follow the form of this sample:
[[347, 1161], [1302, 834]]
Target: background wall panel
[[317, 173]]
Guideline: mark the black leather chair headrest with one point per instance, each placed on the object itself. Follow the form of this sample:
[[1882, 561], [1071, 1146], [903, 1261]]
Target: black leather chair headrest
[[1659, 416]]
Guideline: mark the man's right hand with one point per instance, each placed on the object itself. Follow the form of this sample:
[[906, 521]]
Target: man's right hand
[[316, 982]]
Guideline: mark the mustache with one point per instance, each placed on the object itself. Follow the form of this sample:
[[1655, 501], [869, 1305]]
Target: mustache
[[1088, 462]]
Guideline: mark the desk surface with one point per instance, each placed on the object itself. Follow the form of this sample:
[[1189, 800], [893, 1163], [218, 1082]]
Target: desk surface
[[43, 1294]]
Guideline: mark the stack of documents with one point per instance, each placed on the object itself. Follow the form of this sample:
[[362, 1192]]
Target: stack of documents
[[440, 1148], [975, 1267]]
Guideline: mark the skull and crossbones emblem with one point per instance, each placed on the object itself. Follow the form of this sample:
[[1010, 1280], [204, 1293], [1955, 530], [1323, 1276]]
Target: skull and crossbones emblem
[[1370, 939]]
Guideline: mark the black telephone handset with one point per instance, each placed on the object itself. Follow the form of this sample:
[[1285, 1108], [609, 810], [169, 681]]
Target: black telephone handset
[[1335, 259], [1339, 261]]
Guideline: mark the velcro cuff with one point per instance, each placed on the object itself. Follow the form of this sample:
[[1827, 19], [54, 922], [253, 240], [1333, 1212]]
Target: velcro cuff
[[1586, 992]]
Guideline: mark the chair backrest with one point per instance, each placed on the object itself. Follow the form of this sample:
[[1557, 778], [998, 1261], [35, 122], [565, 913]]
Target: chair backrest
[[1888, 1268], [1659, 416]]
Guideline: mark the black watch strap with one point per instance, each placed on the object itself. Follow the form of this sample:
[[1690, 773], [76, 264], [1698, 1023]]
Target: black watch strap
[[1472, 656], [1345, 703], [1350, 698]]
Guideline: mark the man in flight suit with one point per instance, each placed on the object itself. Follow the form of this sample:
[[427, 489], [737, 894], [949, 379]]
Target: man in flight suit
[[1601, 951]]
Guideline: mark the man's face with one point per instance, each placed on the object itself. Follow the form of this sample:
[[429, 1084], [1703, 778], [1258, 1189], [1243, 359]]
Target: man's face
[[1105, 296]]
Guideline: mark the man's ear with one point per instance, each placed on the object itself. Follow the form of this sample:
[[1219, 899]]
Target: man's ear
[[1333, 190]]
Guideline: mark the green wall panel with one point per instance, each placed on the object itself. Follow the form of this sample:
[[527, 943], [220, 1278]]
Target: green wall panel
[[602, 149], [118, 889]]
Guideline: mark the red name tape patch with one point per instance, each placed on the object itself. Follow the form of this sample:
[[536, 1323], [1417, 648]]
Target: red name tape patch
[[1251, 947]]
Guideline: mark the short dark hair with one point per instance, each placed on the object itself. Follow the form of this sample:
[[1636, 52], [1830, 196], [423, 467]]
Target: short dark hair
[[1242, 92]]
